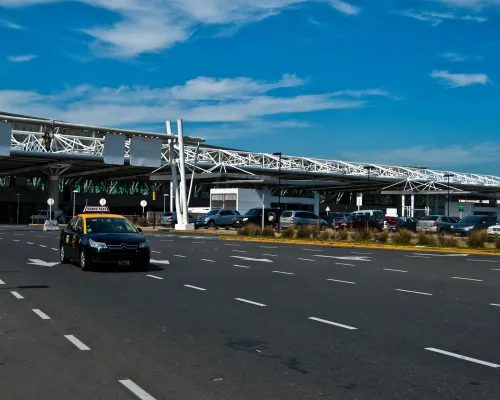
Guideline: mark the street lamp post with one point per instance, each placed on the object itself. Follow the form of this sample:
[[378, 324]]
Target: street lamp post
[[448, 176], [279, 189], [369, 168], [17, 212], [74, 202]]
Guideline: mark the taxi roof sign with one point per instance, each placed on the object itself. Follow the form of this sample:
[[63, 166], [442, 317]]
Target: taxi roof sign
[[96, 209]]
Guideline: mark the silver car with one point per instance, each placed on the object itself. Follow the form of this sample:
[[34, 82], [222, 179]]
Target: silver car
[[434, 224], [298, 219], [218, 218]]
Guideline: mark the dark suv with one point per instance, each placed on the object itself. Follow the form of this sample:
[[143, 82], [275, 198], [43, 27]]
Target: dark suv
[[473, 223], [254, 216], [359, 222]]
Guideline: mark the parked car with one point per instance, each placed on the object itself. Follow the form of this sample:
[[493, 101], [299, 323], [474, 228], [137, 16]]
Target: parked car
[[43, 215], [434, 224], [473, 223], [377, 214], [170, 219], [396, 223], [218, 218], [494, 230], [254, 216], [334, 217], [359, 222], [298, 219]]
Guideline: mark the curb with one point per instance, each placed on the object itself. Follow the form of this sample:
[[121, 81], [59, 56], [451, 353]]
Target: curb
[[460, 250]]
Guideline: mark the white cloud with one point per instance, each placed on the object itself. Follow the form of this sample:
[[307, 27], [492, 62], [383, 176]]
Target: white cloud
[[459, 80], [147, 26], [457, 57], [436, 18], [23, 58], [358, 94], [209, 100], [437, 157], [472, 4]]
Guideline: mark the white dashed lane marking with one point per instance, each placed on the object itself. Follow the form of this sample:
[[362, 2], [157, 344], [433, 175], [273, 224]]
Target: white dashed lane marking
[[41, 314], [411, 291], [349, 265], [203, 259], [325, 321], [240, 266], [394, 270], [487, 261], [284, 273], [250, 302], [466, 279], [474, 360], [17, 295], [305, 259], [2, 282], [178, 255], [136, 390], [195, 287], [154, 277], [79, 345], [336, 280]]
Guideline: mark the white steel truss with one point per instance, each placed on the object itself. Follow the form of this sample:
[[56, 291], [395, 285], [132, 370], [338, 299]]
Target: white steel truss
[[222, 160]]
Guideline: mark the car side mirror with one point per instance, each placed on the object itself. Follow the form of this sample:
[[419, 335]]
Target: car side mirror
[[139, 230]]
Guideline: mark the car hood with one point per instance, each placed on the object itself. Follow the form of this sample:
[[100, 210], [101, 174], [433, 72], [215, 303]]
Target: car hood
[[117, 238]]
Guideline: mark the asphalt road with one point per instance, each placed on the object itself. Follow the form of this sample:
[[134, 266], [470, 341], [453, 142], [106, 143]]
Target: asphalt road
[[219, 319]]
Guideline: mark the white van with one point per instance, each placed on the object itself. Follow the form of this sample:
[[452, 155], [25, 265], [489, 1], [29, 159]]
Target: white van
[[377, 214]]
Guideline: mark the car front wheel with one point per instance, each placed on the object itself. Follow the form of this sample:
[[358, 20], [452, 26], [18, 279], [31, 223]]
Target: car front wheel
[[62, 255], [211, 224], [85, 263]]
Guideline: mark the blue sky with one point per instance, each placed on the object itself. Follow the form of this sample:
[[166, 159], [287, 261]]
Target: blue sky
[[410, 82]]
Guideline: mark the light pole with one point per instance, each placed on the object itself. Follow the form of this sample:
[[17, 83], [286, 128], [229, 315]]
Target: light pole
[[17, 218], [279, 189], [448, 175], [74, 202], [369, 168]]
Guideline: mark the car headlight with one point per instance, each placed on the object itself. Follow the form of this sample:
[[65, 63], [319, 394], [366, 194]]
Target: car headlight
[[452, 227], [245, 219], [144, 244], [97, 245], [471, 227]]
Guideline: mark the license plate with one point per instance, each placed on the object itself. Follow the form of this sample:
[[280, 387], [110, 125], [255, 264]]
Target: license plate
[[238, 222], [123, 263]]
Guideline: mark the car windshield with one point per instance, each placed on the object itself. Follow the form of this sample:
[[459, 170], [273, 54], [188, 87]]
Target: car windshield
[[109, 225], [213, 212], [352, 217], [472, 219], [253, 211]]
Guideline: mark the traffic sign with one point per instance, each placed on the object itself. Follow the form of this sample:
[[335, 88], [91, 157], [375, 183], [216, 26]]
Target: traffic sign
[[50, 201], [102, 202], [460, 207], [144, 203]]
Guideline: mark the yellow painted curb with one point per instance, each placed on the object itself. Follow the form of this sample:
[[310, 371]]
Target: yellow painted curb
[[461, 250]]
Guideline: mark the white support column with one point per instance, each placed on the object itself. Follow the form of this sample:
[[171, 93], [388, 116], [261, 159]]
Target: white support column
[[174, 183], [412, 211], [183, 187], [403, 206], [172, 189]]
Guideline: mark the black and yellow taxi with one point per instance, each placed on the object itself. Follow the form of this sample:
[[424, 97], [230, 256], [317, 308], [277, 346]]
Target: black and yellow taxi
[[97, 237]]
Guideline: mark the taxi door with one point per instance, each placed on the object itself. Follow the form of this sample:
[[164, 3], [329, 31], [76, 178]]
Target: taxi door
[[71, 236]]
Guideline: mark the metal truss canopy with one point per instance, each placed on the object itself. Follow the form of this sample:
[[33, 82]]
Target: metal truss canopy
[[83, 146]]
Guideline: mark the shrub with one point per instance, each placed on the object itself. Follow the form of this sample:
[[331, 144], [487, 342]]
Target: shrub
[[342, 235], [268, 231], [304, 233], [497, 243], [288, 233], [249, 230], [447, 240], [382, 237], [402, 237], [424, 239], [315, 232], [325, 235], [142, 221], [477, 239], [362, 235]]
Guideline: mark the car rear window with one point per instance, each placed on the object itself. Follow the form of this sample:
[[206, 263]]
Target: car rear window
[[168, 214], [430, 218], [378, 214], [286, 214]]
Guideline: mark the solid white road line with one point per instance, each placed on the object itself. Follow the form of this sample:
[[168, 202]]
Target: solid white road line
[[240, 266], [474, 360], [333, 323], [305, 259], [41, 314], [466, 279], [195, 287], [240, 251], [488, 261], [203, 259], [269, 247], [311, 250], [155, 277], [357, 252], [336, 280], [77, 343], [284, 273], [178, 255], [493, 304], [17, 295], [394, 270], [140, 393], [350, 265], [2, 282], [250, 302], [42, 245], [235, 245], [411, 291]]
